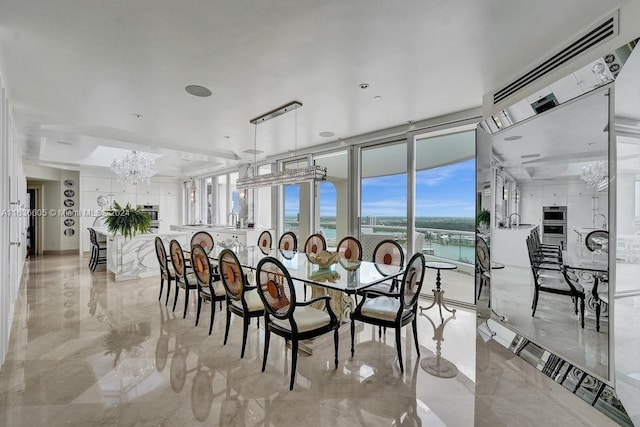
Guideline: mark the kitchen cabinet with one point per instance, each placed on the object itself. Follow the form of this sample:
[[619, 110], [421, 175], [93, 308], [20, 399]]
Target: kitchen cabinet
[[90, 183]]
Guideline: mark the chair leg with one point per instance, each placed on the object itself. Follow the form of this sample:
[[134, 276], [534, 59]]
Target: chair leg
[[353, 333], [598, 316], [175, 298], [267, 336], [186, 302], [480, 286], [226, 330], [414, 324], [582, 312], [398, 339], [245, 331], [535, 302], [294, 361], [198, 310], [335, 344], [168, 291], [213, 315], [161, 286]]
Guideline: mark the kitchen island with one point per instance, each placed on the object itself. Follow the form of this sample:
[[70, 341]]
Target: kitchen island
[[135, 257], [509, 245], [226, 235]]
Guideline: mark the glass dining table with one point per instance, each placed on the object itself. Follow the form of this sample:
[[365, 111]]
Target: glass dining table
[[340, 280]]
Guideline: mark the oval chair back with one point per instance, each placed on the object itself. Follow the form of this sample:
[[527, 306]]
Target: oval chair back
[[350, 249], [203, 239], [288, 242], [177, 258], [482, 254], [201, 265], [161, 254], [315, 244], [412, 281], [388, 252], [265, 240], [233, 278], [275, 288], [597, 239]]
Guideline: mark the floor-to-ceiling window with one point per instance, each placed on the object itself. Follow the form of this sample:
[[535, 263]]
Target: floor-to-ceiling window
[[332, 197], [296, 200], [383, 195]]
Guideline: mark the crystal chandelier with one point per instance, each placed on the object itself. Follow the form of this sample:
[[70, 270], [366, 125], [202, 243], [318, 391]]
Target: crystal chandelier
[[134, 167], [595, 174], [287, 176]]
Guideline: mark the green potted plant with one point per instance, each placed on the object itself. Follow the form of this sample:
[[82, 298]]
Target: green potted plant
[[484, 218], [126, 220]]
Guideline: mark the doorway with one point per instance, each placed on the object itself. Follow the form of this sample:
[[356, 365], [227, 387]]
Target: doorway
[[32, 231]]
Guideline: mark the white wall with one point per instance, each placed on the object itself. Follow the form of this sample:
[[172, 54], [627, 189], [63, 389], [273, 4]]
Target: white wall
[[13, 195]]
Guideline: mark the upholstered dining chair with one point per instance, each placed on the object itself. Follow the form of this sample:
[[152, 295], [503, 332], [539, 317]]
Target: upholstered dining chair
[[482, 263], [204, 239], [242, 299], [288, 242], [166, 269], [393, 309], [315, 243], [387, 253], [284, 316], [350, 249], [597, 240], [566, 283], [265, 240], [185, 278], [98, 252], [209, 285]]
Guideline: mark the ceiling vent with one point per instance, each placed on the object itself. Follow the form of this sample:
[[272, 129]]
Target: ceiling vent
[[603, 32]]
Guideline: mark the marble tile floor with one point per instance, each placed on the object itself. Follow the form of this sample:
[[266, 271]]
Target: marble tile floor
[[86, 350], [555, 326]]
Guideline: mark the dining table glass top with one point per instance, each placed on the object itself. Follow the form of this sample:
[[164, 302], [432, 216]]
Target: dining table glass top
[[345, 276], [578, 256]]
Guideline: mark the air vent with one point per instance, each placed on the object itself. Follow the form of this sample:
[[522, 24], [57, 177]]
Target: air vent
[[600, 34]]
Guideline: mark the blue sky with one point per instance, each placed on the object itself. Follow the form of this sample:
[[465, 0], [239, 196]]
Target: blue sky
[[447, 191]]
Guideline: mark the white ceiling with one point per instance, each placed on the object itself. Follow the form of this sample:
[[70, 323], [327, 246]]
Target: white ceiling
[[77, 72]]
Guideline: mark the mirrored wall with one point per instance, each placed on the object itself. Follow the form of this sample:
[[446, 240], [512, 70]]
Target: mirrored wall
[[551, 200]]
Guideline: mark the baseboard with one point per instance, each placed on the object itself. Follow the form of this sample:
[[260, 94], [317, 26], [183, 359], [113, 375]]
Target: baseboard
[[66, 252]]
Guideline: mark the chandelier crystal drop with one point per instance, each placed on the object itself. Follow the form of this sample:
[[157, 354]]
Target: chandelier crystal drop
[[595, 174], [134, 167]]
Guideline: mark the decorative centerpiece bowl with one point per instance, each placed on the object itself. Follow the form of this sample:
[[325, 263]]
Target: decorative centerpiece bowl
[[324, 259]]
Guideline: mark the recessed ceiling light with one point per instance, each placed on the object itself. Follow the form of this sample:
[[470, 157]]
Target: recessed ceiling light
[[196, 90], [363, 85], [227, 137], [252, 151], [64, 143], [327, 134], [137, 115], [529, 156], [377, 97], [513, 138], [591, 143]]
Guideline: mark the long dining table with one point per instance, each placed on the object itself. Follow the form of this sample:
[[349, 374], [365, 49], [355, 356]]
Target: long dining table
[[340, 280]]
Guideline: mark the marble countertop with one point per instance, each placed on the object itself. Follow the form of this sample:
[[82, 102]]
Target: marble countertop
[[104, 231]]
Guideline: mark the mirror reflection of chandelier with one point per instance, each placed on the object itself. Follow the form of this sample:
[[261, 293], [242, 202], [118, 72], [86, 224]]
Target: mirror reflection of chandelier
[[134, 167], [595, 174]]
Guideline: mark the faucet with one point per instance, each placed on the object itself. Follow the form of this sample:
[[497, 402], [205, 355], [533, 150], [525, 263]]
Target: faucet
[[509, 219], [604, 220], [234, 219]]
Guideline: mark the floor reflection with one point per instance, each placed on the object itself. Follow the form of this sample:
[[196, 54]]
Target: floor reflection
[[86, 350]]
